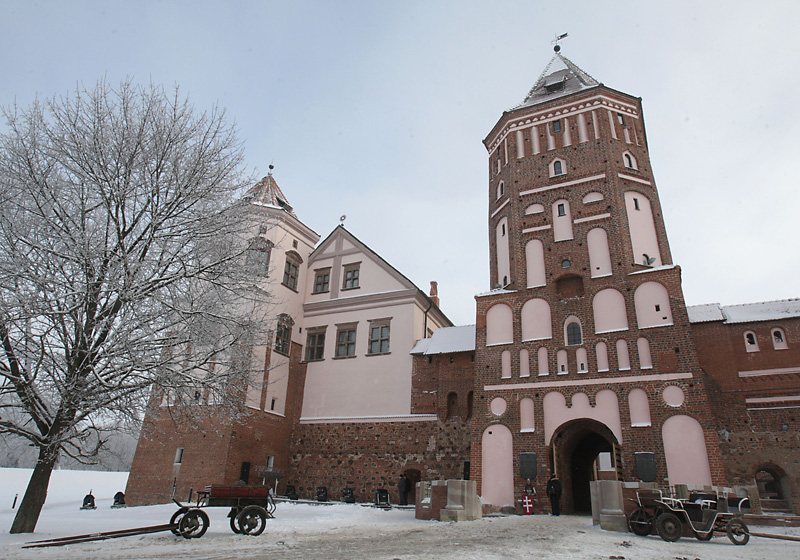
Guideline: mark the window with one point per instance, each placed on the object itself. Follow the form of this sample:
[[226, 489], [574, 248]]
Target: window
[[636, 204], [629, 161], [558, 168], [179, 456], [322, 278], [346, 341], [283, 334], [501, 189], [351, 276], [574, 337], [315, 344], [621, 119], [379, 338], [779, 339], [257, 257], [291, 270], [562, 209], [566, 263], [557, 126], [750, 342]]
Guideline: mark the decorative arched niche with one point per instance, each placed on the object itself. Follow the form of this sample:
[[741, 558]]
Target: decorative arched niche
[[499, 325]]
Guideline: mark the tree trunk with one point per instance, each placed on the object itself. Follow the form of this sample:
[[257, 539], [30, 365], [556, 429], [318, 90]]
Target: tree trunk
[[35, 494]]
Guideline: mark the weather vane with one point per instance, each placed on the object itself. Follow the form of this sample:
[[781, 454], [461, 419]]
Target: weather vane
[[342, 218], [555, 41]]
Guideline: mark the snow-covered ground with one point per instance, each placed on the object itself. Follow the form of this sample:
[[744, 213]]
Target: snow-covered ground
[[339, 532]]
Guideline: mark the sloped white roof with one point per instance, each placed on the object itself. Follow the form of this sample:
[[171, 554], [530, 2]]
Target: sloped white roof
[[746, 312], [561, 77], [447, 340]]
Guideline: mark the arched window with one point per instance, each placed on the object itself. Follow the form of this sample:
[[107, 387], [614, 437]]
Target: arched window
[[542, 362], [563, 365], [527, 418], [536, 322], [609, 311], [582, 360], [573, 332], [524, 363], [505, 364], [599, 254], [750, 341], [639, 407], [779, 339], [645, 360], [651, 300], [629, 160], [623, 358], [501, 189], [558, 167], [601, 351], [499, 325]]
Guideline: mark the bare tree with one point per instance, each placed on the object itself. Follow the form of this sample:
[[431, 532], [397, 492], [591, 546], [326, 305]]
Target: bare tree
[[120, 267]]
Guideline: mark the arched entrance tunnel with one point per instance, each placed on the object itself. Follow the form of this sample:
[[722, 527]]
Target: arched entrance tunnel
[[574, 452]]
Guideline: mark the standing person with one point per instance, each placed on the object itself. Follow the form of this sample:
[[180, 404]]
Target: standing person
[[554, 493], [402, 489]]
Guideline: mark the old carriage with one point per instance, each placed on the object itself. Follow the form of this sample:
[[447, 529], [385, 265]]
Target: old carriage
[[702, 515]]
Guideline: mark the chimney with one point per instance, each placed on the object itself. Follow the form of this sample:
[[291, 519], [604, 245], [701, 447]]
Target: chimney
[[435, 292]]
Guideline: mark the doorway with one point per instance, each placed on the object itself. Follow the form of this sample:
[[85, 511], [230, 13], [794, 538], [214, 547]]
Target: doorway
[[413, 476], [574, 456]]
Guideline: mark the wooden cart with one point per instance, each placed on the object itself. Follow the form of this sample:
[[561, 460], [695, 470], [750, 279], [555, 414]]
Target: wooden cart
[[251, 506]]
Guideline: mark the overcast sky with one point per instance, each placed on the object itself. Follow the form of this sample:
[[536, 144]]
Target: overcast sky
[[377, 110]]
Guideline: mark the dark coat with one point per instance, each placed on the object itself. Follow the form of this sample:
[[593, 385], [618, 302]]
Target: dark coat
[[554, 488]]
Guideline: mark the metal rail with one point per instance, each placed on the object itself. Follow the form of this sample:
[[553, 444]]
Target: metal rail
[[101, 536]]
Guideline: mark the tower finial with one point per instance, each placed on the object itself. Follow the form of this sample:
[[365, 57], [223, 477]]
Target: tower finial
[[271, 167], [555, 41]]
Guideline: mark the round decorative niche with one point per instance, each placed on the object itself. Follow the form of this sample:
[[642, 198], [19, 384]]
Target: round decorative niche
[[673, 396], [498, 406]]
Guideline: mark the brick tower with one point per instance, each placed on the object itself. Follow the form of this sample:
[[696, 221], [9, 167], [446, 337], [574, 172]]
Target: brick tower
[[584, 351]]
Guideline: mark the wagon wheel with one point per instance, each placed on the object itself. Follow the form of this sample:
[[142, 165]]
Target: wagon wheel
[[640, 522], [234, 523], [252, 520], [193, 524], [737, 531], [669, 527], [175, 521]]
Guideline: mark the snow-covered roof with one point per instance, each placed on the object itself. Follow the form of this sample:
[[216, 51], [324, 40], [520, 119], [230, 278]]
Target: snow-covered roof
[[746, 312], [561, 77], [447, 340], [705, 313], [267, 193]]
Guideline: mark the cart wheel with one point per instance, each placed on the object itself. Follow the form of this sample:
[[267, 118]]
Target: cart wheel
[[235, 525], [737, 531], [252, 520], [193, 524], [640, 522], [669, 527], [175, 521]]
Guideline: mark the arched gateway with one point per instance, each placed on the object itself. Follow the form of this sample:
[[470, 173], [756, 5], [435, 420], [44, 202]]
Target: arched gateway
[[581, 451]]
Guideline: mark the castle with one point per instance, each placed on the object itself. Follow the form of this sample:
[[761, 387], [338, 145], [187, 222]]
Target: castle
[[584, 359]]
